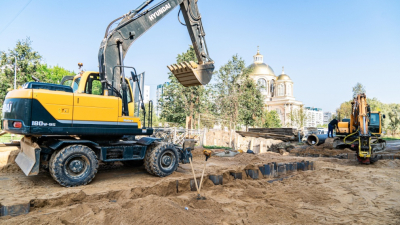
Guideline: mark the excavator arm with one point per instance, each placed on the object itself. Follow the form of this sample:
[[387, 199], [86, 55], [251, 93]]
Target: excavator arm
[[132, 25]]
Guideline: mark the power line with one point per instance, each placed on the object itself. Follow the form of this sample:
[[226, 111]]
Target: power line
[[15, 17]]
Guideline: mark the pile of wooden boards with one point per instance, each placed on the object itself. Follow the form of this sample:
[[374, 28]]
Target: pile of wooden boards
[[284, 134]]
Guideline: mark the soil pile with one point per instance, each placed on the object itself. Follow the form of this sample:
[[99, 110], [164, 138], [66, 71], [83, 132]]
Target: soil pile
[[319, 150], [339, 191]]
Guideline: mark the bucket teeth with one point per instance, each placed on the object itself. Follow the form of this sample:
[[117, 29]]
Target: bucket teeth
[[191, 73]]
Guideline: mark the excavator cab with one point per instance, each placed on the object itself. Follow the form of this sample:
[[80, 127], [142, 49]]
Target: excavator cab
[[375, 123]]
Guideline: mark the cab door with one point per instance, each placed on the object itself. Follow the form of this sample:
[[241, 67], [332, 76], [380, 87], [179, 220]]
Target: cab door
[[91, 106], [129, 120]]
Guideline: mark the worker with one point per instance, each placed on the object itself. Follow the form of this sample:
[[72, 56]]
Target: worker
[[334, 123]]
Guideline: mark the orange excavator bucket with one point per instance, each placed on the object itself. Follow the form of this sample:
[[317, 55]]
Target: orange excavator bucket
[[191, 73]]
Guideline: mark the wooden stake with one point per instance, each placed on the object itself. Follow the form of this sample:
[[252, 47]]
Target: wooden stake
[[194, 176], [202, 175]]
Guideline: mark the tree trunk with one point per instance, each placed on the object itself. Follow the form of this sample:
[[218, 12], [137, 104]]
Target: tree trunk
[[191, 110]]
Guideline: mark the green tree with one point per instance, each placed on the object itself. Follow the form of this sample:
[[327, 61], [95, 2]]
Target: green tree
[[394, 123], [269, 119], [178, 101], [52, 75], [344, 111], [228, 89], [358, 89], [298, 117], [251, 103], [28, 64]]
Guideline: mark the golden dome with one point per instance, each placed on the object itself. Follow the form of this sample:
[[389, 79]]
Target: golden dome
[[284, 77], [261, 69]]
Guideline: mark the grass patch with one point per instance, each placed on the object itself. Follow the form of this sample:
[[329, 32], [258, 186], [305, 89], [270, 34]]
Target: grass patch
[[9, 137], [391, 138], [215, 147]]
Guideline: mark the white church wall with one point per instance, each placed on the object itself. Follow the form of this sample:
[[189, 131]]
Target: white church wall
[[283, 95]]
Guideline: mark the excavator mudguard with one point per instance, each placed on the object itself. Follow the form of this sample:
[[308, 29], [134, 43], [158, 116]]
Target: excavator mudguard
[[28, 158], [192, 74]]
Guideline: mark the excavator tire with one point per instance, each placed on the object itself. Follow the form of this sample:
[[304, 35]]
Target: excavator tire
[[164, 159], [73, 165], [147, 157]]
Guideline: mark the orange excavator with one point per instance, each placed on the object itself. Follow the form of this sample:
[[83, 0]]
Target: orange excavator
[[362, 131]]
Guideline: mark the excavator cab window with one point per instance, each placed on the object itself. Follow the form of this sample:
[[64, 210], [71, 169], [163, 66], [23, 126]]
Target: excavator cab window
[[93, 85], [374, 123], [128, 97], [68, 83], [76, 84], [374, 119]]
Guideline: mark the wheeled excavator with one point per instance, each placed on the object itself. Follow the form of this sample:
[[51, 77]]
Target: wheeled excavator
[[362, 132], [68, 129]]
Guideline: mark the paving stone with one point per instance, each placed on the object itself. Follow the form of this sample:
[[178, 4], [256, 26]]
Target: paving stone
[[193, 186], [236, 175], [216, 179], [252, 173], [14, 210]]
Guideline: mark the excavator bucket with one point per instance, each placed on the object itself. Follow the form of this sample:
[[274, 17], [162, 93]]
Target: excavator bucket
[[191, 73]]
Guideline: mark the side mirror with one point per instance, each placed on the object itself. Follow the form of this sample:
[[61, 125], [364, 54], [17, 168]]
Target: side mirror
[[35, 78], [383, 116], [134, 77]]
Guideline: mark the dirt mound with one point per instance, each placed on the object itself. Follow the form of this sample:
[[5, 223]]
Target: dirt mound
[[8, 155], [278, 148], [148, 210], [387, 163], [319, 150], [10, 168], [7, 160], [339, 191]]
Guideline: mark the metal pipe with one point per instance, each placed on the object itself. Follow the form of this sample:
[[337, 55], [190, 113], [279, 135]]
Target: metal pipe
[[316, 139], [299, 137], [125, 110], [121, 61], [142, 6], [365, 131]]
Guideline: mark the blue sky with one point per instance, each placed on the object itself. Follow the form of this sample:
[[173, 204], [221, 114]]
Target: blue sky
[[325, 46]]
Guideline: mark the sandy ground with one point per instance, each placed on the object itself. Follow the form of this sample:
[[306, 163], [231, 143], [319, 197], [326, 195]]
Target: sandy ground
[[339, 191]]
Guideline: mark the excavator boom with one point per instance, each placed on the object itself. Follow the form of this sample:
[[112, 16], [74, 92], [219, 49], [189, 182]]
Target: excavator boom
[[132, 25]]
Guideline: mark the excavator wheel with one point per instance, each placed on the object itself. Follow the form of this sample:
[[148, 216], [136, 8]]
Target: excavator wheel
[[73, 165], [163, 159], [147, 157], [374, 159]]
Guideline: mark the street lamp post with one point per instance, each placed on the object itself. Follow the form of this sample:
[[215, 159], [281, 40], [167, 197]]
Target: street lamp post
[[15, 73]]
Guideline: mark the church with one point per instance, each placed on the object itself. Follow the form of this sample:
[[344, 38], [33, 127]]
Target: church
[[277, 90]]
